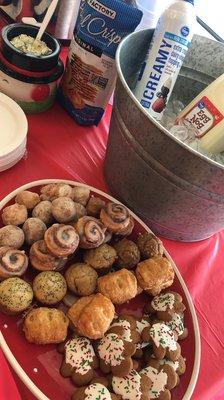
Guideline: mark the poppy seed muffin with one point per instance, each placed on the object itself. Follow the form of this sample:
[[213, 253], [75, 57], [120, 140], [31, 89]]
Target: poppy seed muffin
[[49, 287], [16, 295]]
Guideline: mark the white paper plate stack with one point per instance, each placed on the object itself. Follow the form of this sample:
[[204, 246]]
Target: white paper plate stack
[[13, 132]]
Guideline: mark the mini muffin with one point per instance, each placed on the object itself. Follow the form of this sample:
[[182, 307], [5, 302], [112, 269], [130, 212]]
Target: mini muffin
[[42, 260], [13, 262], [128, 254], [55, 190], [92, 315], [103, 257], [16, 296], [12, 236], [43, 212], [119, 286], [94, 206], [45, 325], [16, 214], [149, 245], [80, 194], [49, 287], [81, 279], [34, 230], [155, 274], [28, 199], [63, 209]]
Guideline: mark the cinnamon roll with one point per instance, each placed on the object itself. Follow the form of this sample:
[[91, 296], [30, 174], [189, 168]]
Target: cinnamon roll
[[91, 232], [42, 260], [117, 219], [55, 190], [61, 240], [12, 262]]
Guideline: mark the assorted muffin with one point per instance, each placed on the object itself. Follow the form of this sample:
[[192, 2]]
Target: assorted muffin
[[89, 241]]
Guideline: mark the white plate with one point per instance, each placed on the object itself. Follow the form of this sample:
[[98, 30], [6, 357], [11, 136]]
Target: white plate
[[13, 125]]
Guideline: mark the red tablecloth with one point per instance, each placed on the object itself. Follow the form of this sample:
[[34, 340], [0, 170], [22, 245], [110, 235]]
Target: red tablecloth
[[58, 148]]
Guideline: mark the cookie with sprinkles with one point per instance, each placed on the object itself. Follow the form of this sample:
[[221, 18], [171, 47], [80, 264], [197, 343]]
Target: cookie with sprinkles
[[95, 391], [126, 327], [165, 305], [79, 360], [133, 386], [115, 354]]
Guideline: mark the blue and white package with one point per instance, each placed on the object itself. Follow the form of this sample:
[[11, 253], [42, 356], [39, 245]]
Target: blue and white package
[[90, 74]]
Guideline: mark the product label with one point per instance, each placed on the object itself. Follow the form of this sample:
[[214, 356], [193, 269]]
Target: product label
[[203, 116]]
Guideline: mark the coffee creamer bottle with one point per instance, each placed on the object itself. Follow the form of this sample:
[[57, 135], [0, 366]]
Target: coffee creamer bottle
[[165, 57]]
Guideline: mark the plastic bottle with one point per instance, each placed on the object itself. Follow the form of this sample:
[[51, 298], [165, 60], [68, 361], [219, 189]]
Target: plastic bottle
[[165, 57], [206, 114]]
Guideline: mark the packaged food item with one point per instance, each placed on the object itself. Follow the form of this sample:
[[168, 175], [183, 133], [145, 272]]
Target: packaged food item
[[206, 115], [91, 72], [165, 57]]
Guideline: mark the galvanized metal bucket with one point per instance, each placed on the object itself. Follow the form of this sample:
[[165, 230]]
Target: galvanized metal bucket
[[178, 192]]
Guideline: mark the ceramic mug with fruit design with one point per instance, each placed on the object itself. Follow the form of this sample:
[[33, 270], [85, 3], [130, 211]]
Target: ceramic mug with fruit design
[[29, 79]]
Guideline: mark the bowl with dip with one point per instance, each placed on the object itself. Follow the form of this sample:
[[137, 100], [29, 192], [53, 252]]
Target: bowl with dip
[[30, 69]]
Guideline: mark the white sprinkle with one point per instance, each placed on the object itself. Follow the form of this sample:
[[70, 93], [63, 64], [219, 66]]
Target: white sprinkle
[[35, 370]]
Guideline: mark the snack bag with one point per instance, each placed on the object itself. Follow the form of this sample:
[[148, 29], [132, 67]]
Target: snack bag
[[91, 71]]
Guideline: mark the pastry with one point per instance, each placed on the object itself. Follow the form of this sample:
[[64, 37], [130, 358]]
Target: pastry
[[92, 315], [34, 230], [115, 355], [43, 212], [42, 260], [94, 206], [155, 274], [81, 279], [79, 361], [63, 209], [117, 219], [55, 190], [12, 262], [128, 254], [61, 240], [149, 245], [165, 305], [91, 232], [80, 194], [95, 391], [101, 258], [49, 287], [12, 236], [133, 386], [16, 296], [119, 286], [45, 325], [28, 199], [16, 214]]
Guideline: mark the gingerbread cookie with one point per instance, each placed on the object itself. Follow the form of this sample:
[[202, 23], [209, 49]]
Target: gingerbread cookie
[[115, 355], [162, 379], [177, 326], [80, 360], [95, 391], [179, 366], [126, 327], [133, 386], [165, 305], [141, 324]]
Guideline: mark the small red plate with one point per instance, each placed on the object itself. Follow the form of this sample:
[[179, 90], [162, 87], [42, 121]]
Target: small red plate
[[38, 366]]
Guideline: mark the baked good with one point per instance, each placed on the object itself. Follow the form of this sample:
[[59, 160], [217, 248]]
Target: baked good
[[119, 286], [128, 254], [54, 190], [79, 360], [16, 214], [16, 295], [28, 199], [42, 260], [95, 391], [63, 209], [43, 212], [149, 245], [102, 258], [133, 386], [12, 236], [81, 279], [34, 230], [91, 232], [92, 315], [61, 240], [126, 327], [49, 287], [13, 262], [155, 274], [81, 194], [177, 326], [45, 325], [117, 219], [94, 206], [115, 355], [163, 378], [165, 305]]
